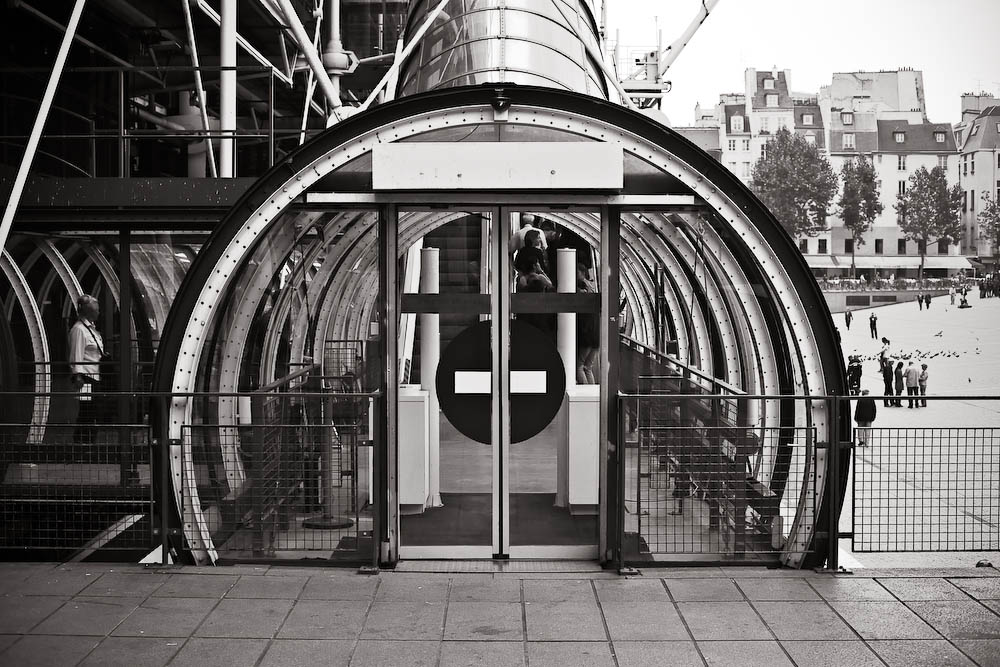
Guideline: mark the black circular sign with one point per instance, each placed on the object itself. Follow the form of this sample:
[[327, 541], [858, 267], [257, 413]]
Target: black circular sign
[[533, 356]]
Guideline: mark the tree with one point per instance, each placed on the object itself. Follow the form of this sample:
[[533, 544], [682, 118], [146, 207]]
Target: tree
[[989, 221], [929, 210], [796, 182], [859, 203]]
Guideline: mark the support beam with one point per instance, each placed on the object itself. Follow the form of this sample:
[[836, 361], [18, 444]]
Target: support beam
[[671, 53], [199, 84], [311, 56], [227, 79]]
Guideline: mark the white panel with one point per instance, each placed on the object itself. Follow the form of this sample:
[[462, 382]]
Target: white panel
[[527, 382], [498, 166], [473, 382]]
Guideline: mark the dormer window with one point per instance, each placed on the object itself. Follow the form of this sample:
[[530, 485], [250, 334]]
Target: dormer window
[[899, 137], [768, 84], [939, 137], [975, 130], [847, 118], [807, 119], [771, 100], [736, 123]]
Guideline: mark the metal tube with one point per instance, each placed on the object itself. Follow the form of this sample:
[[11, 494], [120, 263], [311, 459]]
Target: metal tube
[[36, 131], [671, 53], [199, 85], [227, 80], [311, 55]]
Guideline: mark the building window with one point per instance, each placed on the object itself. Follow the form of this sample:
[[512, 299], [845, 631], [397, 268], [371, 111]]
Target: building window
[[771, 100], [732, 144], [972, 170], [921, 247], [765, 123], [878, 246], [746, 144], [848, 141], [965, 168], [768, 84], [901, 247], [746, 170], [975, 130], [901, 188], [810, 138], [998, 127], [804, 246], [965, 201], [943, 247], [821, 246], [939, 137], [763, 150], [736, 123], [847, 118], [848, 246], [943, 161], [972, 200], [807, 119], [901, 162], [899, 137]]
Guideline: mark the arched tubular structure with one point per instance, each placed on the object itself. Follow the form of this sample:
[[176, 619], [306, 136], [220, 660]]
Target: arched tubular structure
[[279, 278]]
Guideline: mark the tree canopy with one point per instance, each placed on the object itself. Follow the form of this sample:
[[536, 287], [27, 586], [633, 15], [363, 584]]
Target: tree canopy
[[929, 210], [796, 182], [859, 203], [989, 220]]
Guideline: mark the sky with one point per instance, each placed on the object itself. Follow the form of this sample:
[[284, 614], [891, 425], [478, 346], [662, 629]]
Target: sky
[[956, 43]]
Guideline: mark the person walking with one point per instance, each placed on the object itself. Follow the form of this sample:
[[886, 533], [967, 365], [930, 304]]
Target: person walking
[[927, 301], [951, 294], [848, 317], [86, 350], [922, 381], [920, 300], [899, 382], [864, 415], [873, 325], [887, 383], [854, 375], [912, 375]]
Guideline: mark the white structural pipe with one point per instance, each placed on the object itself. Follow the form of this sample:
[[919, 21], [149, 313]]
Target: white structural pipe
[[199, 85], [430, 355], [227, 88], [36, 131], [312, 57], [566, 336], [213, 15], [671, 53]]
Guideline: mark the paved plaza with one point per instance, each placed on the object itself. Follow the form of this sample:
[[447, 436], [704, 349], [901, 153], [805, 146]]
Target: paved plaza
[[537, 614]]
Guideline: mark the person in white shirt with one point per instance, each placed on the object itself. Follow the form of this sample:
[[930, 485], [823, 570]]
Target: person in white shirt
[[517, 240], [86, 347]]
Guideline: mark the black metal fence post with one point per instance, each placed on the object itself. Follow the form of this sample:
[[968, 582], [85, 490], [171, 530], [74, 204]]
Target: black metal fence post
[[165, 445], [833, 486]]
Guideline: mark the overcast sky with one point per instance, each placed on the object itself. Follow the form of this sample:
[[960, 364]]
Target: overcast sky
[[956, 43]]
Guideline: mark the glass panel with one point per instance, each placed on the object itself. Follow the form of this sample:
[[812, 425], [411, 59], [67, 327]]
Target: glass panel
[[554, 398], [445, 405]]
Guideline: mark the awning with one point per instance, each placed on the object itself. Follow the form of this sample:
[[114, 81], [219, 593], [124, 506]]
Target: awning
[[875, 262], [823, 262], [898, 262], [948, 262]]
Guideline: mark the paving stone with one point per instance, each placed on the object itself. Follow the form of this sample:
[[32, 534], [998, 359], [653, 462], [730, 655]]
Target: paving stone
[[843, 588], [744, 654], [704, 590], [325, 619], [426, 588], [981, 589], [405, 620], [117, 584], [18, 614], [777, 589], [919, 653], [986, 652], [197, 585], [300, 652], [561, 654], [198, 652], [825, 653], [13, 575], [165, 617], [803, 620], [657, 654], [7, 640], [576, 620], [273, 588], [723, 620], [482, 654], [384, 653], [690, 572], [883, 620], [340, 587], [643, 620], [245, 619], [87, 616], [494, 621], [919, 588], [46, 651], [992, 604], [133, 652], [631, 590], [558, 591], [59, 581], [491, 590], [959, 620]]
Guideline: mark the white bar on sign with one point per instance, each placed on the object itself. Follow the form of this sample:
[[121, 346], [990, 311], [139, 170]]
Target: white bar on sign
[[527, 382], [473, 382]]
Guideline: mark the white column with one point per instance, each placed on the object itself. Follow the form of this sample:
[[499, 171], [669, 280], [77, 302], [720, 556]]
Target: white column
[[430, 355], [566, 344], [227, 80]]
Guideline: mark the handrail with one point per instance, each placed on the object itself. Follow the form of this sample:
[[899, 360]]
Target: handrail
[[674, 361]]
